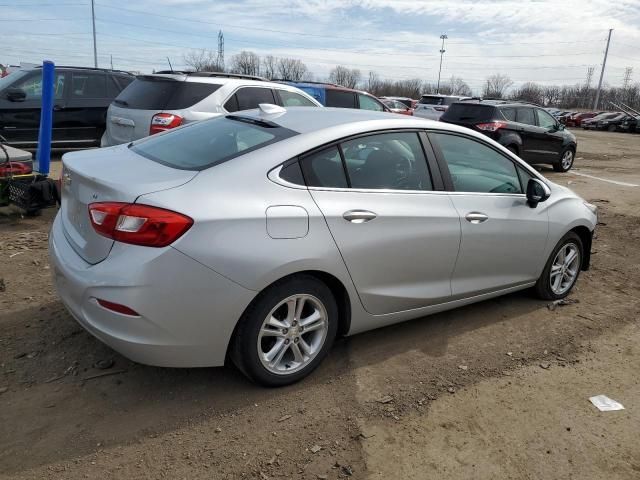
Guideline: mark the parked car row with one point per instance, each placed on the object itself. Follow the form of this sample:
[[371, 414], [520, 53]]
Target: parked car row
[[611, 121]]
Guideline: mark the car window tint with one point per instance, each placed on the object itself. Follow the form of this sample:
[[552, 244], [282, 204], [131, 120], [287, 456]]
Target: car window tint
[[387, 161], [545, 120], [232, 104], [526, 116], [292, 173], [32, 86], [369, 103], [207, 143], [251, 97], [475, 167], [292, 99], [509, 114], [340, 98], [525, 176], [324, 169], [158, 93], [88, 85]]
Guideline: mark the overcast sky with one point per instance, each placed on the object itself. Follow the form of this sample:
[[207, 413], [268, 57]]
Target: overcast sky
[[547, 41]]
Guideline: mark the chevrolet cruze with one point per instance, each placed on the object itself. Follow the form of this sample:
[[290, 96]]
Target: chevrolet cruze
[[263, 235]]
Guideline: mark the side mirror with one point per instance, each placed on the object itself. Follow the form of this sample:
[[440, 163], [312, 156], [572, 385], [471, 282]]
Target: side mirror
[[561, 126], [537, 192], [16, 95]]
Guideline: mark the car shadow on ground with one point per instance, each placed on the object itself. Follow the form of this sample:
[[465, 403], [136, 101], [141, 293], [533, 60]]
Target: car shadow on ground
[[76, 412]]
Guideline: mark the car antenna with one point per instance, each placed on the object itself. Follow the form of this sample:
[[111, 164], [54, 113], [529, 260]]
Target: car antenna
[[170, 67]]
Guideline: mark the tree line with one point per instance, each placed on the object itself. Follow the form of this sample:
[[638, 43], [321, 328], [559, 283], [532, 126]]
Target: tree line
[[495, 86]]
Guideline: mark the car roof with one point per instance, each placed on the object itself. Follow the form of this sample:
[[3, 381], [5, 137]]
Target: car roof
[[327, 85], [311, 119], [87, 69], [216, 78]]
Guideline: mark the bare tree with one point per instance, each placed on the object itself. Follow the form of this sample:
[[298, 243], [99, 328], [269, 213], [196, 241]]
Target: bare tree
[[245, 63], [496, 86], [529, 92], [292, 69], [373, 83], [459, 87], [270, 67], [347, 77], [203, 61], [551, 95]]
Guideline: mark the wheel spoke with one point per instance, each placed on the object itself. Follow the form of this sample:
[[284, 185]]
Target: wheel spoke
[[306, 348], [314, 326], [270, 332], [299, 307], [297, 354], [571, 257], [274, 322], [291, 310], [280, 353], [557, 282], [315, 316]]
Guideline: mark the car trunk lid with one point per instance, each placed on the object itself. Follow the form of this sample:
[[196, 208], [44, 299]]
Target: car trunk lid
[[107, 175]]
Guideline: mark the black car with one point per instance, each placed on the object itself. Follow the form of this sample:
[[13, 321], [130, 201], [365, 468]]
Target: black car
[[526, 129], [612, 124], [81, 98], [631, 124]]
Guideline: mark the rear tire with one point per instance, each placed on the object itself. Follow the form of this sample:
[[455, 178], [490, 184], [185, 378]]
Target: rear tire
[[289, 326], [513, 149], [566, 161], [560, 284]]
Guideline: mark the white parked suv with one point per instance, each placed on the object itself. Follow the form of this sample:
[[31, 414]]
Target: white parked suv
[[165, 100], [433, 106]]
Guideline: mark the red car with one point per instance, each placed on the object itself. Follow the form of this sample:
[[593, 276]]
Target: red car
[[576, 120], [397, 106]]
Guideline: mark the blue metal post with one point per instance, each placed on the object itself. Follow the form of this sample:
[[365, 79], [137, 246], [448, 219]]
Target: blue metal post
[[43, 155]]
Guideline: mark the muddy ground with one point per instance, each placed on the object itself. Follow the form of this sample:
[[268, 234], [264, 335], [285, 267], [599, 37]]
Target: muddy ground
[[494, 390]]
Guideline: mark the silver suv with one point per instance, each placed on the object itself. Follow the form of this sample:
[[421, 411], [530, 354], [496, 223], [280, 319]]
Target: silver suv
[[165, 100], [433, 106]]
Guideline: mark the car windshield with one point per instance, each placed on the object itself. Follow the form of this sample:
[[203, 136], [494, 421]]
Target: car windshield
[[204, 144], [11, 78]]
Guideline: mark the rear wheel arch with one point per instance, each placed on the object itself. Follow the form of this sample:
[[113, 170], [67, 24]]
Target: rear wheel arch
[[336, 286]]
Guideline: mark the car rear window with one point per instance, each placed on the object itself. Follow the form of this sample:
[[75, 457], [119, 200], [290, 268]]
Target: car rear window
[[152, 93], [340, 98], [436, 100], [204, 144], [468, 113]]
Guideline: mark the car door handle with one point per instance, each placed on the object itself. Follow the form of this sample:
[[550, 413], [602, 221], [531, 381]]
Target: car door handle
[[476, 217], [359, 216], [57, 108]]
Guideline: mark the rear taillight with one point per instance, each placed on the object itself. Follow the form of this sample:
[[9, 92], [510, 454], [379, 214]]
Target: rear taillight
[[491, 126], [164, 121], [138, 224], [116, 307]]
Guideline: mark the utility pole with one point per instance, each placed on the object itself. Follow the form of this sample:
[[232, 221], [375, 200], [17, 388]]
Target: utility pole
[[604, 62], [93, 22], [443, 37], [112, 61], [626, 80], [587, 87], [220, 59]]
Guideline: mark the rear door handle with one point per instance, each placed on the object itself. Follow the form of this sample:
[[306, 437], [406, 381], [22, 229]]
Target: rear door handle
[[359, 216], [476, 217]]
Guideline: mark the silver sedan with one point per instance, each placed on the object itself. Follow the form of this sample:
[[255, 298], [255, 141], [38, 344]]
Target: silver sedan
[[262, 236]]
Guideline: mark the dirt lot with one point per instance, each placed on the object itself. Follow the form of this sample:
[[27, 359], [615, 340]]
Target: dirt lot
[[494, 390]]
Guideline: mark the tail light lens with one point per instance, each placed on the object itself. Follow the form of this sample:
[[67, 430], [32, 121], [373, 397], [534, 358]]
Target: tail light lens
[[138, 224], [116, 307], [491, 126], [164, 121]]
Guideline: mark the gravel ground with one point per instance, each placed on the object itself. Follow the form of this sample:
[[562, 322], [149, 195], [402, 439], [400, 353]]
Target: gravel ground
[[493, 390]]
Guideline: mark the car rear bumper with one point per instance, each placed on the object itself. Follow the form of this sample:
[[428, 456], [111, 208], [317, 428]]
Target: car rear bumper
[[187, 311]]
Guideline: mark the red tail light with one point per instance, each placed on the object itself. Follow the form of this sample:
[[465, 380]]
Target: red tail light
[[116, 307], [164, 121], [138, 224], [491, 126]]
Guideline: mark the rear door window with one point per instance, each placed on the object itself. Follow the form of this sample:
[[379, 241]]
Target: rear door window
[[525, 115], [369, 103], [340, 98], [88, 85], [293, 99], [509, 114], [469, 113], [248, 98], [156, 93], [204, 144]]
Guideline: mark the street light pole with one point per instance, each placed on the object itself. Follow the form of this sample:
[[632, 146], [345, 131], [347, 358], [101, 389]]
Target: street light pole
[[443, 37], [604, 62], [93, 22]]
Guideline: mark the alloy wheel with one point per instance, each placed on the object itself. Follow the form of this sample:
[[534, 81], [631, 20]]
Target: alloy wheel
[[567, 160], [564, 269], [293, 334]]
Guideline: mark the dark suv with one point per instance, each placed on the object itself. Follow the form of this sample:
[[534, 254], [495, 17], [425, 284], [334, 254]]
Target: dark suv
[[81, 98], [525, 129]]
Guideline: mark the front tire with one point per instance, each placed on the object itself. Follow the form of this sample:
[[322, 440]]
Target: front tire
[[562, 269], [566, 161], [286, 332]]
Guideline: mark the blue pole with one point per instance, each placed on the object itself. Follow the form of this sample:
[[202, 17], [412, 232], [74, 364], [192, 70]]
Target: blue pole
[[43, 154]]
